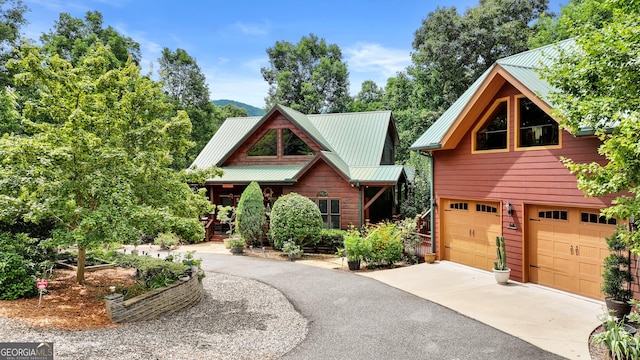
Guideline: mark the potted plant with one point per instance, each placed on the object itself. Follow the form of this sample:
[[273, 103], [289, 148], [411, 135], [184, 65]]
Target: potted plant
[[430, 258], [237, 246], [292, 249], [500, 270], [616, 276], [353, 247]]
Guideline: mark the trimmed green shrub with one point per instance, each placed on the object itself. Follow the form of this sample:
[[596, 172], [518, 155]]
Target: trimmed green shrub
[[190, 231], [22, 261], [167, 240], [332, 239], [295, 217], [250, 215], [153, 272]]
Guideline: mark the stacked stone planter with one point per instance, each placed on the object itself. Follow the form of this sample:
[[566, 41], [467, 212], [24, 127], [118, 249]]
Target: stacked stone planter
[[152, 304]]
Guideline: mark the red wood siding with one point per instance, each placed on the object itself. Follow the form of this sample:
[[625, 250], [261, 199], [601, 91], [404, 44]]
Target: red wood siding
[[518, 177], [321, 177], [277, 121]]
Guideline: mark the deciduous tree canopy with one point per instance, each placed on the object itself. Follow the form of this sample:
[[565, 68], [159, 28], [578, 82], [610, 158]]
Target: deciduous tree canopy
[[598, 87], [71, 39], [309, 76], [97, 152]]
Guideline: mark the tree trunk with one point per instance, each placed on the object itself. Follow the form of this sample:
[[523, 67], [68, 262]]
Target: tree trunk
[[82, 257]]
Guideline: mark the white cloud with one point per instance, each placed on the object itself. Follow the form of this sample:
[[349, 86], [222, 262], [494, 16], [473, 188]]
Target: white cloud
[[256, 63], [252, 29], [374, 58]]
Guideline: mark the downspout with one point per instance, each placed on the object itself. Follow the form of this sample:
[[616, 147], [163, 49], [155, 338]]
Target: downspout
[[431, 203]]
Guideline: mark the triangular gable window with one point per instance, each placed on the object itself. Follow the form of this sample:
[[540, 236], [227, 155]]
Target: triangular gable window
[[266, 146], [292, 145], [492, 131]]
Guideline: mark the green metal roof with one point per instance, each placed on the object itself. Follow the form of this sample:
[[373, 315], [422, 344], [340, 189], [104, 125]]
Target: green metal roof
[[353, 144], [232, 131], [246, 174], [523, 67], [358, 138], [304, 124], [337, 161], [376, 174]]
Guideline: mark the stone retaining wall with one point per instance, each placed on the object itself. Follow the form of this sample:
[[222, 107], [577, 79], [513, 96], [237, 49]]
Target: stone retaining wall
[[152, 304]]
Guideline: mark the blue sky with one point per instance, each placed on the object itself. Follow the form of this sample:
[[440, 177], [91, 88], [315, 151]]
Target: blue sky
[[229, 39]]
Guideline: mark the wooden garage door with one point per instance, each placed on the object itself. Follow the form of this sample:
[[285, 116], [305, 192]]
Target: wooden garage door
[[469, 231], [567, 247]]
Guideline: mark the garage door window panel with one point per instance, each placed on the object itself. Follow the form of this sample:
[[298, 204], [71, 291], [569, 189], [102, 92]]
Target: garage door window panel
[[595, 218]]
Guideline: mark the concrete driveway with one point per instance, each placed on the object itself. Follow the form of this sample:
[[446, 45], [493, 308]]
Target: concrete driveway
[[356, 317]]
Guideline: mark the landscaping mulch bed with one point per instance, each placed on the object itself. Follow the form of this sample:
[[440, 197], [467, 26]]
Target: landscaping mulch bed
[[68, 305]]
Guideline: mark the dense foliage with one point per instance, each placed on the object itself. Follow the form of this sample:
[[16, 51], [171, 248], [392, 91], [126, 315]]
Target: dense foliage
[[22, 261], [598, 88], [383, 244], [73, 38], [294, 217], [98, 152], [185, 84], [250, 215], [310, 76], [418, 198], [12, 20], [576, 18], [152, 272]]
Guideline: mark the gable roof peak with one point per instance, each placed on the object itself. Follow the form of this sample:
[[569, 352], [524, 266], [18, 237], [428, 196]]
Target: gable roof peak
[[520, 70]]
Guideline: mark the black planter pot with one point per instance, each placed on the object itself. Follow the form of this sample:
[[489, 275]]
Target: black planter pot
[[354, 265], [617, 308], [237, 250]]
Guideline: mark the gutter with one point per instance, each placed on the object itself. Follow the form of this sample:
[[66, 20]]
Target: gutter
[[431, 146]]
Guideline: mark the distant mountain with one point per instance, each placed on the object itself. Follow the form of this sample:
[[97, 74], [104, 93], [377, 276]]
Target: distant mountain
[[251, 110]]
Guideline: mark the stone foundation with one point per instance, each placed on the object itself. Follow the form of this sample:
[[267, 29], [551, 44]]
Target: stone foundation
[[152, 304]]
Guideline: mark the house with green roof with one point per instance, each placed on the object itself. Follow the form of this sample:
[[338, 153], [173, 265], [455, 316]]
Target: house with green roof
[[497, 171], [344, 162]]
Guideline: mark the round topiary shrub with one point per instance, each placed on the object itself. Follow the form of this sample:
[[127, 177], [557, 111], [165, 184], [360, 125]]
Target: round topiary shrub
[[295, 217], [250, 215]]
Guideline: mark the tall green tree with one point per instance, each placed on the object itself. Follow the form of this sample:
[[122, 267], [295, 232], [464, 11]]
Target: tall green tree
[[575, 17], [598, 87], [453, 50], [71, 38], [100, 163], [310, 76], [11, 22], [185, 84], [370, 98]]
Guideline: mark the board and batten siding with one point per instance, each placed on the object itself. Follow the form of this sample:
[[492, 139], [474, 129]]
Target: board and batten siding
[[520, 177]]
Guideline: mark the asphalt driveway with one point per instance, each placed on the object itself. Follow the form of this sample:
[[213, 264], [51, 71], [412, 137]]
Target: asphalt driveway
[[354, 317]]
